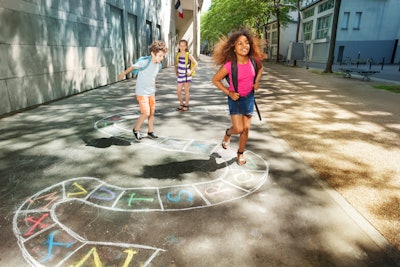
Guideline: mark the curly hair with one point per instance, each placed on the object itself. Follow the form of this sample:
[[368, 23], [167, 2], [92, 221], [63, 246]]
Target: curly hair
[[224, 49], [157, 46]]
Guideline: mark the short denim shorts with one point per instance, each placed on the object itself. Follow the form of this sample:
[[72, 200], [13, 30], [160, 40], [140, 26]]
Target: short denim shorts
[[243, 106]]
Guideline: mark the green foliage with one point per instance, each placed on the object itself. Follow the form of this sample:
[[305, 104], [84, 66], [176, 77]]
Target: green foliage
[[224, 16], [392, 88]]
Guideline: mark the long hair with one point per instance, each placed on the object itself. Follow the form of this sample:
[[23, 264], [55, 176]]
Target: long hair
[[224, 50], [187, 45]]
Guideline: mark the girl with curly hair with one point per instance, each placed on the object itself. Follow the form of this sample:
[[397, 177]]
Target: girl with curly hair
[[238, 51]]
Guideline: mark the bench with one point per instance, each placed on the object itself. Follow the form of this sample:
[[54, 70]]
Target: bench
[[365, 73]]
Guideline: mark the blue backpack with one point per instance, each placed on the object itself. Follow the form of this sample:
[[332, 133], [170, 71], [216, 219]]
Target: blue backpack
[[148, 58]]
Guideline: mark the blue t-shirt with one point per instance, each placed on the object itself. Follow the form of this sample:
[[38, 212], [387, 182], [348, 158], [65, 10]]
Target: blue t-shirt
[[146, 79]]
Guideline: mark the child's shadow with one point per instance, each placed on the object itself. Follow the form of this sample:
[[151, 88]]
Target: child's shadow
[[176, 169], [106, 142]]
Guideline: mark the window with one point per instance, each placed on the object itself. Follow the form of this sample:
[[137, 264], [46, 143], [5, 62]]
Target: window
[[345, 22], [305, 3], [308, 30], [357, 21], [274, 39], [158, 34], [309, 13], [323, 26], [325, 6], [149, 33]]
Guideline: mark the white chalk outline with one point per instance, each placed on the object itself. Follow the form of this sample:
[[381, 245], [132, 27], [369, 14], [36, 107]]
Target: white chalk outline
[[116, 130]]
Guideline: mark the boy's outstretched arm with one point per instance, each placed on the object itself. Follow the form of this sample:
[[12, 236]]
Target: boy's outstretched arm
[[123, 74]]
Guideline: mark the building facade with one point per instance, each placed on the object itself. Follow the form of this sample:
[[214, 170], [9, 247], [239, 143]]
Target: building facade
[[368, 30], [54, 49], [188, 27], [287, 36]]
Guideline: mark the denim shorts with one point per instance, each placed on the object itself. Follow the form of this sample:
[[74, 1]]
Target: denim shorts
[[243, 106]]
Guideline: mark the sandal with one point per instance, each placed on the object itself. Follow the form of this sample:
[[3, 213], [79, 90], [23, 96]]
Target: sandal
[[240, 158], [180, 108], [225, 144], [185, 108]]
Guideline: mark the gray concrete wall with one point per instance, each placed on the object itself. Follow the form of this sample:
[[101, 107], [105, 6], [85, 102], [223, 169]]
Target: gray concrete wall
[[377, 50], [55, 48]]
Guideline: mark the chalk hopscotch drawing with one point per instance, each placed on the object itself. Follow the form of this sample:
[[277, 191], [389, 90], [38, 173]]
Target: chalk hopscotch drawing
[[46, 241]]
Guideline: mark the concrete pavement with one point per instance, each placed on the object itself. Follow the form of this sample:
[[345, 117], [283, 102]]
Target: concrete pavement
[[77, 189]]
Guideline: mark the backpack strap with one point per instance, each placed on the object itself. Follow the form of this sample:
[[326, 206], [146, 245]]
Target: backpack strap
[[148, 58], [148, 62], [186, 59], [255, 66], [234, 72]]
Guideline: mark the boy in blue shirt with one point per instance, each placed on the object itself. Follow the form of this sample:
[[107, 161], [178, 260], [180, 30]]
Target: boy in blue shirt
[[146, 86]]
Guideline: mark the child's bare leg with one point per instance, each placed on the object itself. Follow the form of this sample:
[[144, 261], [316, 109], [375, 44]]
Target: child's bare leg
[[187, 95], [179, 94], [244, 135], [140, 121], [151, 122]]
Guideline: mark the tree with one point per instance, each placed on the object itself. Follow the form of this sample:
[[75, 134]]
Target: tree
[[225, 16], [329, 63]]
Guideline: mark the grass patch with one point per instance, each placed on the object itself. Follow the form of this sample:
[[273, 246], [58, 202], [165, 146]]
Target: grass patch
[[321, 72], [392, 88]]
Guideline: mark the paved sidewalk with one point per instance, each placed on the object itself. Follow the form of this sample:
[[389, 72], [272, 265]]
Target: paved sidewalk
[[77, 189]]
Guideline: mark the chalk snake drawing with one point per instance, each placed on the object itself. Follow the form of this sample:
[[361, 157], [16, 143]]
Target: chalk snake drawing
[[46, 241]]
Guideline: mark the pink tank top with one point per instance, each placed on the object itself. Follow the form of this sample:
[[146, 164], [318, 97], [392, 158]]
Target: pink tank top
[[246, 74]]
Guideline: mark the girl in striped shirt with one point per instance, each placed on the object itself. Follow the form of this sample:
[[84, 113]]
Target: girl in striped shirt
[[183, 63]]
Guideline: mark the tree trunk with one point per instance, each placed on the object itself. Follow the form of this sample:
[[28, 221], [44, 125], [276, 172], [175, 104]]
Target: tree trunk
[[329, 63], [278, 22], [298, 27]]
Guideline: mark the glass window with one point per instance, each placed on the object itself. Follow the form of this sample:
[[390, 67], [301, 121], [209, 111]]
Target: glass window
[[323, 26], [309, 13], [357, 21], [305, 3], [308, 30], [158, 29], [325, 6], [345, 21], [149, 33], [274, 39]]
